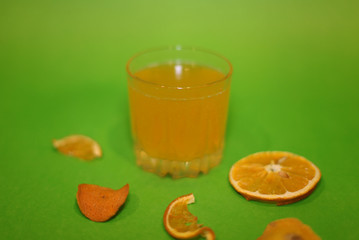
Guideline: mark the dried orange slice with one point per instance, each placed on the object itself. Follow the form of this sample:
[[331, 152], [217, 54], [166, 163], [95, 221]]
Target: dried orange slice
[[98, 203], [280, 177], [288, 229], [78, 146], [180, 223]]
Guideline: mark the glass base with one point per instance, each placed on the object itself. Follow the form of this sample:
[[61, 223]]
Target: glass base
[[177, 169]]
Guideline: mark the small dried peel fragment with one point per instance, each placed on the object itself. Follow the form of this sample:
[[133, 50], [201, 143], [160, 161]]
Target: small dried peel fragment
[[288, 229], [98, 203], [78, 146]]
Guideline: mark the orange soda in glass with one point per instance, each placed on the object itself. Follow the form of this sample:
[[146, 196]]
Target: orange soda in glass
[[178, 105]]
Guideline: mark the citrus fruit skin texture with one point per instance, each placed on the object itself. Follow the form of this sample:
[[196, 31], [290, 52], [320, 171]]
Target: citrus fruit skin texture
[[79, 146], [274, 176], [181, 224], [98, 203], [288, 229]]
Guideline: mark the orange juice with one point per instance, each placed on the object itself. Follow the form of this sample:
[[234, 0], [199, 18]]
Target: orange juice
[[178, 117]]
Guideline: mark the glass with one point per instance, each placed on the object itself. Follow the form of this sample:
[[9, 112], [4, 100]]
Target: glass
[[178, 105]]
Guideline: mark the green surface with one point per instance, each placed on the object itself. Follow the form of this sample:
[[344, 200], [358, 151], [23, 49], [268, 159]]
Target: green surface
[[295, 88]]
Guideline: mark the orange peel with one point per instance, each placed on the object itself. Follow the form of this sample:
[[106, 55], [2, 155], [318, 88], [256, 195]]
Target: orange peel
[[98, 203]]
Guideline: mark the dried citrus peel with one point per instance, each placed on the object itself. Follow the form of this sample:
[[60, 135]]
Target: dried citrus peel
[[79, 146], [181, 224], [288, 229], [98, 203]]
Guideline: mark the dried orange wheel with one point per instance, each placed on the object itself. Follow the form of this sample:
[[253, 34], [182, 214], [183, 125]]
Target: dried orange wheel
[[78, 146], [180, 223], [280, 177], [288, 229]]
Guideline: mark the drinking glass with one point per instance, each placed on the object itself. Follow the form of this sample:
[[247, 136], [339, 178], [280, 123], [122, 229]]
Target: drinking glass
[[178, 105]]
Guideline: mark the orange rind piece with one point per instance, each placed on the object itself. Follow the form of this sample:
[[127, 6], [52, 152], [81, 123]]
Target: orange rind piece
[[181, 224], [98, 203], [79, 146], [288, 229], [274, 176]]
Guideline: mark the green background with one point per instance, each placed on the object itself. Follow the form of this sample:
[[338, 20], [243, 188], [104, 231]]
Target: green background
[[62, 71]]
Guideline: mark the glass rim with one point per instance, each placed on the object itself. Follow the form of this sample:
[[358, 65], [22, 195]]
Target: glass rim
[[179, 48]]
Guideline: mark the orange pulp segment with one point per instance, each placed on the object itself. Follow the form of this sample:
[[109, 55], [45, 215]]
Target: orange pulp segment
[[288, 229], [78, 146]]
